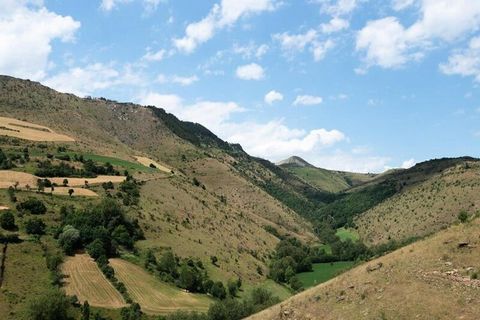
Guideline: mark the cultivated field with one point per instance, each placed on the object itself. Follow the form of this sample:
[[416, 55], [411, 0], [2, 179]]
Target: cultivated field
[[154, 296], [78, 182], [29, 131], [4, 208], [147, 162], [77, 192], [85, 280], [26, 180]]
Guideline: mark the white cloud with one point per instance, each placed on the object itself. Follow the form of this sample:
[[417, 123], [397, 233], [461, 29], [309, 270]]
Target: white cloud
[[27, 30], [294, 43], [222, 15], [272, 97], [307, 100], [464, 62], [184, 81], [407, 164], [155, 56], [334, 25], [338, 7], [87, 80], [251, 71], [387, 43], [170, 102], [399, 5], [346, 161], [109, 5], [251, 50], [320, 49]]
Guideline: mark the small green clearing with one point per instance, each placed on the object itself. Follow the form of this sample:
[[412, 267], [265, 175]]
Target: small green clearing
[[323, 272], [345, 234]]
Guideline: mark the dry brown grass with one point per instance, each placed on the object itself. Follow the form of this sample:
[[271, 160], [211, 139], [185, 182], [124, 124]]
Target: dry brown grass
[[423, 208], [154, 296], [85, 280], [77, 192], [30, 131], [78, 182], [9, 178], [430, 279], [147, 162]]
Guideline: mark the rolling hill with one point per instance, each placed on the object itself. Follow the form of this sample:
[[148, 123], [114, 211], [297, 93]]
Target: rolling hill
[[327, 180], [435, 278]]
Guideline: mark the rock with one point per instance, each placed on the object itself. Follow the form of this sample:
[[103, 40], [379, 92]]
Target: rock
[[463, 244], [374, 267]]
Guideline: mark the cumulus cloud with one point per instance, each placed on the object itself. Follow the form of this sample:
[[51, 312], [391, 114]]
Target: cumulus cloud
[[251, 71], [407, 164], [389, 44], [83, 81], [338, 7], [307, 100], [399, 5], [222, 15], [464, 62], [273, 139], [154, 56], [27, 30], [251, 50], [335, 25], [272, 97], [292, 44]]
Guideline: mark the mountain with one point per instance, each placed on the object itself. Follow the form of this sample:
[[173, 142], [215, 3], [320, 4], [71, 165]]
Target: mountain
[[326, 180], [294, 161], [435, 278]]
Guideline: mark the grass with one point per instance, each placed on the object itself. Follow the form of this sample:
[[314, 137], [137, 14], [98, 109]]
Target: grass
[[345, 234], [276, 289], [323, 272]]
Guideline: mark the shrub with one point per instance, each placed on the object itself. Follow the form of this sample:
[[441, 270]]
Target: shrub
[[463, 216], [52, 305], [35, 226], [7, 220], [34, 206]]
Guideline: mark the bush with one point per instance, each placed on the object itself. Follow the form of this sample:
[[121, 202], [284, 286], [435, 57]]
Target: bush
[[7, 220], [34, 206], [218, 290], [50, 306], [35, 226], [463, 216]]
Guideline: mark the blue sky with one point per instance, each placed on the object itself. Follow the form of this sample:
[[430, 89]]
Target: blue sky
[[358, 85]]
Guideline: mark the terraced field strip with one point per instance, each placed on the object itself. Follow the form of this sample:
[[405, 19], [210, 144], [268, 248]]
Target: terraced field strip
[[77, 192], [78, 182], [30, 131], [9, 178], [85, 280], [134, 166], [147, 162], [4, 208], [154, 296]]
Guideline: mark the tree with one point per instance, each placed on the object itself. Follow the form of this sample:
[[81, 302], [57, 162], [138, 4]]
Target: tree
[[96, 249], [35, 226], [232, 287], [86, 311], [121, 235], [70, 192], [168, 263], [50, 306], [214, 260], [463, 216], [132, 313], [218, 290], [11, 193], [69, 239], [65, 182], [7, 220], [295, 283]]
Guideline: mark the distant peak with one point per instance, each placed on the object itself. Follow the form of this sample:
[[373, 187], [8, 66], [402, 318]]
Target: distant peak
[[295, 161]]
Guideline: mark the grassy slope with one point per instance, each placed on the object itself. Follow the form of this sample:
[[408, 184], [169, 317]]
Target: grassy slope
[[425, 207], [173, 212], [415, 282], [328, 180]]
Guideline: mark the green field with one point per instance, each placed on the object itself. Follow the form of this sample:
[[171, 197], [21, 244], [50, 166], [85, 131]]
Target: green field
[[323, 272], [345, 234]]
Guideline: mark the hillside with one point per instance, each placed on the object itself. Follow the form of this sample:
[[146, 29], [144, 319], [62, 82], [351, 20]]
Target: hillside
[[193, 188], [327, 180], [435, 278]]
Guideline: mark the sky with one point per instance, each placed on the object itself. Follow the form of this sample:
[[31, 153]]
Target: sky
[[357, 85]]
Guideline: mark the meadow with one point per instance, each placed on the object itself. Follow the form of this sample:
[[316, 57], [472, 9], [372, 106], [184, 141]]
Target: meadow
[[323, 272]]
